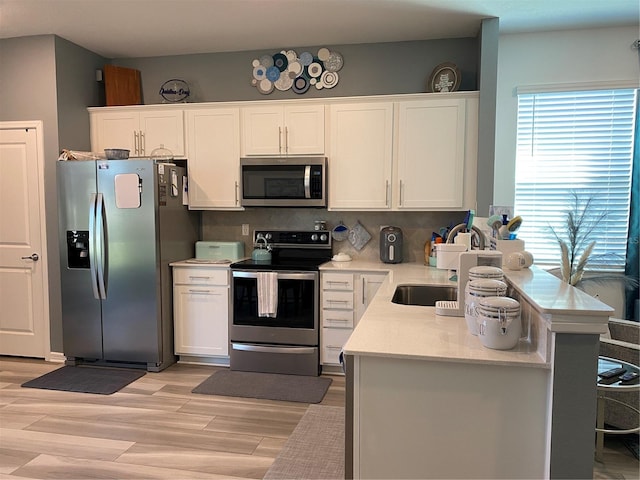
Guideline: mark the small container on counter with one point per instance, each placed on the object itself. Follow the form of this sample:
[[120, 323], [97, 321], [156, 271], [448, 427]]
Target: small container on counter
[[499, 324], [476, 290]]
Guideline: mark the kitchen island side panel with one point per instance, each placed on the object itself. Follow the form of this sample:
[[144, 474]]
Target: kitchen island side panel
[[425, 419], [575, 368]]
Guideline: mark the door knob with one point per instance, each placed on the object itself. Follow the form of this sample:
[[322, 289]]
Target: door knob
[[33, 256]]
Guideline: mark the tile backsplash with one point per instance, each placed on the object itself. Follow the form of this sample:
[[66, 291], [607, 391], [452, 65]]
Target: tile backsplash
[[417, 227]]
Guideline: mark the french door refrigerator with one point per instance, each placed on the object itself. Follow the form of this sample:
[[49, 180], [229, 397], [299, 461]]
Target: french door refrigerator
[[121, 223]]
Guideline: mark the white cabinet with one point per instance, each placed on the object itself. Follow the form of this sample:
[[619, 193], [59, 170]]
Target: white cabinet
[[139, 130], [344, 299], [366, 287], [360, 156], [213, 139], [417, 154], [283, 130], [201, 311], [430, 155]]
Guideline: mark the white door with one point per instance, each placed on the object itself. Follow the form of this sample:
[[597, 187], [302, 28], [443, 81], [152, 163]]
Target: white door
[[24, 320]]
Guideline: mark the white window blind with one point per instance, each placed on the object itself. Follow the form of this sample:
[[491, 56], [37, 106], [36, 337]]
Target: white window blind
[[575, 142]]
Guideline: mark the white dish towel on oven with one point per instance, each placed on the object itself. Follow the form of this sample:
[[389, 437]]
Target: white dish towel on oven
[[267, 294]]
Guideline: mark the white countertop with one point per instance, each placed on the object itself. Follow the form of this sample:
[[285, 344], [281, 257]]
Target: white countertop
[[404, 331], [197, 262]]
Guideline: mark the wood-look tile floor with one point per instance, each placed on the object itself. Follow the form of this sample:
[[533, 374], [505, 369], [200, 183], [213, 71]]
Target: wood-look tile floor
[[155, 428]]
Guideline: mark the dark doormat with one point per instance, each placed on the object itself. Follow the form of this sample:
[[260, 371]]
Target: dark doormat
[[103, 381], [271, 386]]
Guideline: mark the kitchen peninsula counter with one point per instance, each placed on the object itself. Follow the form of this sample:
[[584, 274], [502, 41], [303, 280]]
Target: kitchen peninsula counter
[[421, 390], [408, 331]]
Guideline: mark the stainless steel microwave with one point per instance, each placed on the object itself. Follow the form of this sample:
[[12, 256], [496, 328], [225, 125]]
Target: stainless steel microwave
[[283, 182]]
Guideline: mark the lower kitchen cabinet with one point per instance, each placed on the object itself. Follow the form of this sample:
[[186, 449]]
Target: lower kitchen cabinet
[[344, 298], [201, 311]]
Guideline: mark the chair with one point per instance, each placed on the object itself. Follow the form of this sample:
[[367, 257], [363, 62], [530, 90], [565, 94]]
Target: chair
[[618, 407]]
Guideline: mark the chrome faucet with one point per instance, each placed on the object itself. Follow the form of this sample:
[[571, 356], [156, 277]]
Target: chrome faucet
[[462, 227]]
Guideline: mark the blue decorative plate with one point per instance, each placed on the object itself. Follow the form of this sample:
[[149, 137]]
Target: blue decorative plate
[[305, 59], [273, 73]]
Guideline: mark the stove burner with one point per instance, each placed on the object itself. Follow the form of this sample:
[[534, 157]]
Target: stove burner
[[291, 250]]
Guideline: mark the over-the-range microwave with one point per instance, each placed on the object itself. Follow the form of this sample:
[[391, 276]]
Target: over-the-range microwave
[[283, 182]]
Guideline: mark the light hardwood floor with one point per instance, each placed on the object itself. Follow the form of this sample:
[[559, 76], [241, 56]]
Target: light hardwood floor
[[156, 428]]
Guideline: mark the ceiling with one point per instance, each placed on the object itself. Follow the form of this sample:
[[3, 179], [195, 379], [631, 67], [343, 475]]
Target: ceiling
[[147, 28]]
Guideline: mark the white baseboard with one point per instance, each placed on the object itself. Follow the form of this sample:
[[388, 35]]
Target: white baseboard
[[55, 357]]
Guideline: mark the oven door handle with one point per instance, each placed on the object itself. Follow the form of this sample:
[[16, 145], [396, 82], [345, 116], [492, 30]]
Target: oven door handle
[[272, 349], [281, 275]]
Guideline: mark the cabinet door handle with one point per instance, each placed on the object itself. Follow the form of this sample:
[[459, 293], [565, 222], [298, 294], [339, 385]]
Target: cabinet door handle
[[236, 192], [337, 301], [336, 282], [198, 278], [401, 200], [333, 347], [135, 143], [386, 192], [286, 139], [194, 290], [280, 139], [364, 289], [143, 143], [343, 320]]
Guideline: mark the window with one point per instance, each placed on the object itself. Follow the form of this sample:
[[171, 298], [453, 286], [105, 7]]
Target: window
[[575, 142]]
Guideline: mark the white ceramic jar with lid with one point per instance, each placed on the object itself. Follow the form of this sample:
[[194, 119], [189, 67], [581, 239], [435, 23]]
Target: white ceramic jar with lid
[[476, 290], [499, 324], [485, 271]]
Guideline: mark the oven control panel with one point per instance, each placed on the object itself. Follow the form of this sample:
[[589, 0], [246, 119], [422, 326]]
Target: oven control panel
[[295, 238]]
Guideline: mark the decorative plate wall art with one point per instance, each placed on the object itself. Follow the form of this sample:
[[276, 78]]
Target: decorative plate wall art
[[444, 78], [175, 90], [287, 70]]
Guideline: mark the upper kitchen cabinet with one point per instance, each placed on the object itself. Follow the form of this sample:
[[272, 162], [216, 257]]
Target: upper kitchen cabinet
[[414, 152], [137, 129], [213, 138], [431, 148], [360, 155], [293, 129]]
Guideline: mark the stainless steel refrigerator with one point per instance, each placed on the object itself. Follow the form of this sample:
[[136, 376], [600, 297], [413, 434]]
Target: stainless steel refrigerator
[[121, 223]]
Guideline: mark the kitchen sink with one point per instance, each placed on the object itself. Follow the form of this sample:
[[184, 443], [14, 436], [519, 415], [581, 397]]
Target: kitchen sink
[[423, 295]]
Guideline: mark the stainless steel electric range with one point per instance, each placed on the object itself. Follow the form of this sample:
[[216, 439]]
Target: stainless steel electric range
[[286, 337]]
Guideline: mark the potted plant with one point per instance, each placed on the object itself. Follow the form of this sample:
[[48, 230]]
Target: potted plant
[[577, 245]]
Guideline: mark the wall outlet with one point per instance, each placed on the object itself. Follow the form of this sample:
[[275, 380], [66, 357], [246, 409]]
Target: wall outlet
[[245, 229]]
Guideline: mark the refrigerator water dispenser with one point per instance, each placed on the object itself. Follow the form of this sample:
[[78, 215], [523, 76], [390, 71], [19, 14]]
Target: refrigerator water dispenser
[[78, 249]]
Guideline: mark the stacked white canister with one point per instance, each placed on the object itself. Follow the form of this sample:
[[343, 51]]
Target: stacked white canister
[[489, 314]]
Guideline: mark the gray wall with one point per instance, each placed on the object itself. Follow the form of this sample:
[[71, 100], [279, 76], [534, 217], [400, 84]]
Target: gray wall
[[488, 81], [50, 79], [77, 88], [369, 69], [28, 92]]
